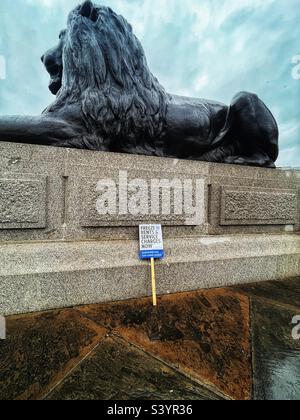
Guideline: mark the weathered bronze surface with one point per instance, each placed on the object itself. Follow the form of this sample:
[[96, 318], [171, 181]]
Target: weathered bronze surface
[[107, 99]]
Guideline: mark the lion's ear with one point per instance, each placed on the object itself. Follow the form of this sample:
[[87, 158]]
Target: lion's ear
[[87, 9]]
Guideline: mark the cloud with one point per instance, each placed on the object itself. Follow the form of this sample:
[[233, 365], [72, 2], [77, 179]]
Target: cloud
[[206, 48]]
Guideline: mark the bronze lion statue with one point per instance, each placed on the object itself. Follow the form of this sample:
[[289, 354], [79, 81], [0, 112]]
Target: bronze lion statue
[[108, 100]]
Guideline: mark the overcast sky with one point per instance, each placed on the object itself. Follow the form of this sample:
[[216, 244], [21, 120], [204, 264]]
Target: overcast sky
[[205, 48]]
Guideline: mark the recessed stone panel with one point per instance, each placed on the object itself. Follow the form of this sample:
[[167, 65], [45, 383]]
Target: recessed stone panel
[[258, 206], [23, 203], [137, 197]]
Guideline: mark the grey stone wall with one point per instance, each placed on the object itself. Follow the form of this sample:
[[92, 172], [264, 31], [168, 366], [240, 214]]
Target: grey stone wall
[[51, 194], [56, 250]]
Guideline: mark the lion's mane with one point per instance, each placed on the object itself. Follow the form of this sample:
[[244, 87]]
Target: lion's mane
[[105, 72]]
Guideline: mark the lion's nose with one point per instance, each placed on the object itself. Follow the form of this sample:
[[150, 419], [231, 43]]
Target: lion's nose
[[42, 58], [49, 60], [89, 11], [86, 8]]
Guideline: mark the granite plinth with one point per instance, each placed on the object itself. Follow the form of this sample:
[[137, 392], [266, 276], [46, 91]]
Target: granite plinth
[[57, 250]]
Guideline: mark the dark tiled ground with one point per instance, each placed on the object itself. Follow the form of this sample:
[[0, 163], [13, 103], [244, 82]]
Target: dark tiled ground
[[194, 332], [276, 355], [41, 349], [117, 370], [231, 343]]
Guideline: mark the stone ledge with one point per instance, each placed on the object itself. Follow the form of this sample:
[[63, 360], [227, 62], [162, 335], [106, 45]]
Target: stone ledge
[[41, 276]]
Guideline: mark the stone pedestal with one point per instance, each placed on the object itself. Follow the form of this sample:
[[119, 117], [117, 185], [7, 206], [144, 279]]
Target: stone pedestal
[[57, 250]]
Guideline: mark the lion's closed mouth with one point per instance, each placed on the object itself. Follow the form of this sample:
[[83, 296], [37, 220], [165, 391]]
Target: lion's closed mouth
[[55, 85]]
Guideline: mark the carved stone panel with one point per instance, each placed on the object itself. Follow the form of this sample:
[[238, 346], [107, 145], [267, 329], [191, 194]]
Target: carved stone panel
[[258, 206], [135, 197], [23, 203]]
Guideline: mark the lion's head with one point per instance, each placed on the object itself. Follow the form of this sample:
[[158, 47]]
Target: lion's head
[[100, 65]]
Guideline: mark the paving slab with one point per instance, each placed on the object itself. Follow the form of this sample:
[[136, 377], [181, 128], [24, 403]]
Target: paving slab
[[276, 354], [204, 334], [118, 371], [41, 349], [285, 292]]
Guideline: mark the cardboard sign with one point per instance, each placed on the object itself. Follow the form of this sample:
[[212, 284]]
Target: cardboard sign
[[151, 242]]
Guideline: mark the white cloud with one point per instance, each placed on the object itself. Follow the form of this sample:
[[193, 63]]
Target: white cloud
[[201, 82]]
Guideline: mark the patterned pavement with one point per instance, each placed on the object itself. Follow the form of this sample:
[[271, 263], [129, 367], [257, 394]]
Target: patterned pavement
[[231, 343]]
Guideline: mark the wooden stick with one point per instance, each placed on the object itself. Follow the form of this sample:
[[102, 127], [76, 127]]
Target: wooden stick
[[153, 278]]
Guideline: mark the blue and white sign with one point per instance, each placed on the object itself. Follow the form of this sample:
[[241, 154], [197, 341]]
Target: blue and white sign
[[151, 242]]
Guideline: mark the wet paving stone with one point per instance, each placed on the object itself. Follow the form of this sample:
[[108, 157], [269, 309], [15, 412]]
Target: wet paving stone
[[276, 355], [40, 350], [204, 334], [286, 292], [119, 371]]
